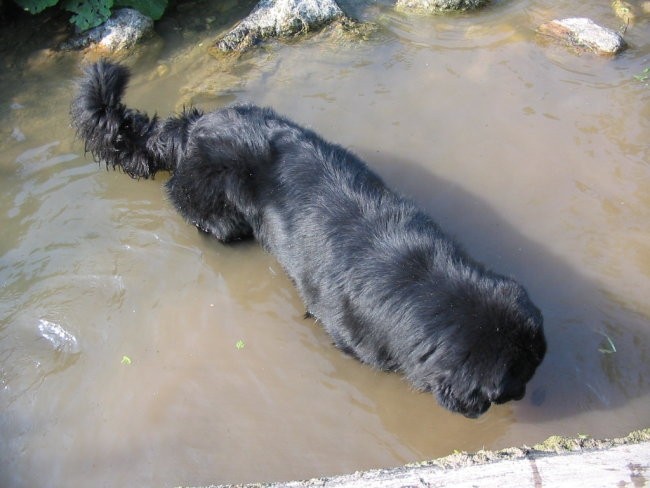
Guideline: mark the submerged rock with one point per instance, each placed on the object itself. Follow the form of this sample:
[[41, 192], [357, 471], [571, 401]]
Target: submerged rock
[[279, 18], [583, 34], [121, 32], [437, 6]]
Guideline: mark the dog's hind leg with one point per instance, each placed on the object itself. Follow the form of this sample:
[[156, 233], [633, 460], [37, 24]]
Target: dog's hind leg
[[214, 216], [215, 184], [203, 200]]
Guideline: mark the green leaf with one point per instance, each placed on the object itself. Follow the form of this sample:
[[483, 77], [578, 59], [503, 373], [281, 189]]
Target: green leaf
[[126, 360], [88, 13], [240, 344], [36, 6], [150, 8]]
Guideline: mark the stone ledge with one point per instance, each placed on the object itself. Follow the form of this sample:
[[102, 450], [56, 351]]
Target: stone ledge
[[556, 462]]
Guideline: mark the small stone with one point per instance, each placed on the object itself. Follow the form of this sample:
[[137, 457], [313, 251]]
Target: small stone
[[438, 6], [584, 34]]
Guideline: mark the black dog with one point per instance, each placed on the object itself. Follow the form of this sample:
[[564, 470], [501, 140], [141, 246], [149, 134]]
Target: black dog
[[389, 287]]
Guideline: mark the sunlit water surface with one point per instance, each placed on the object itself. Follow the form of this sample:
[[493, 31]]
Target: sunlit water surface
[[135, 352]]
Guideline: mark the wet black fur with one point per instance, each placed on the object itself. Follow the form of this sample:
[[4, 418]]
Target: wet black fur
[[386, 283]]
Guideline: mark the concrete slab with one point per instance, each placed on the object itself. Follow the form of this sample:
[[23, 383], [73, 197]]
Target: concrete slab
[[557, 462]]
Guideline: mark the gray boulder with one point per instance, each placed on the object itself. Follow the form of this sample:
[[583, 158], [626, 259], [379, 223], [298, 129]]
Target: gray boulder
[[279, 18], [438, 6], [121, 32], [584, 35]]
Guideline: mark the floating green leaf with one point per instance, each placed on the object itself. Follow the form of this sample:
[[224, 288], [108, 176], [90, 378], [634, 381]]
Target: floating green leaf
[[240, 344], [126, 360]]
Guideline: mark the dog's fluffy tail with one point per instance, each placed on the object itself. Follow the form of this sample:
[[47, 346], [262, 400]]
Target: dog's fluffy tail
[[116, 135]]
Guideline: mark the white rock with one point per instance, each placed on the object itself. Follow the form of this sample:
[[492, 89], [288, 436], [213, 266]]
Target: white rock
[[124, 29], [279, 18], [585, 34]]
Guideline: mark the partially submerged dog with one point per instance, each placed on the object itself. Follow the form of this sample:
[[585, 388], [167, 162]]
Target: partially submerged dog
[[388, 286]]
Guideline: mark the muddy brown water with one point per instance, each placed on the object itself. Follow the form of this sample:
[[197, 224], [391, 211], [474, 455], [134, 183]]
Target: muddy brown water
[[536, 159]]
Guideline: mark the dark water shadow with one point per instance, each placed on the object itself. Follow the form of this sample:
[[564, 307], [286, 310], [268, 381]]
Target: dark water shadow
[[598, 346]]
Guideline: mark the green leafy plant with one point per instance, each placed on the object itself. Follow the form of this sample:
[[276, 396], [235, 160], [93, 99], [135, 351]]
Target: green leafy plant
[[87, 14]]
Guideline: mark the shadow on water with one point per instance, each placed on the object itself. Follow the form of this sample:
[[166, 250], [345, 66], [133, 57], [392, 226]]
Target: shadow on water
[[598, 348]]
